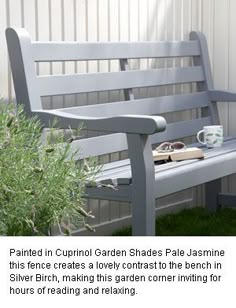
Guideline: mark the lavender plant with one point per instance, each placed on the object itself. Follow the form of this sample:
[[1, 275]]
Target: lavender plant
[[39, 185]]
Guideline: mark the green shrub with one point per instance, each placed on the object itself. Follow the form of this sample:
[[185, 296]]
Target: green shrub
[[39, 185]]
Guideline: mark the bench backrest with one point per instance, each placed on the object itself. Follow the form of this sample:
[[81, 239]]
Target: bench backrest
[[30, 88]]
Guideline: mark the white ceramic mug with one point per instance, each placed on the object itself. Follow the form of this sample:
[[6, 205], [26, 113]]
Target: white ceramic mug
[[212, 136]]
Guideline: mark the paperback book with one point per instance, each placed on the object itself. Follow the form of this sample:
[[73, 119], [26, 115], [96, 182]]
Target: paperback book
[[177, 155]]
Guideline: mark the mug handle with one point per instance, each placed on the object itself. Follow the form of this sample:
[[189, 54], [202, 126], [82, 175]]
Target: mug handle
[[198, 137]]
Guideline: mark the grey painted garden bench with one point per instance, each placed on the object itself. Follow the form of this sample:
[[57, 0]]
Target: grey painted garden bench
[[134, 124]]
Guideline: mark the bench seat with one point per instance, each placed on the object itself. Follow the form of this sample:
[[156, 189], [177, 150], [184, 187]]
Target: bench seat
[[171, 176]]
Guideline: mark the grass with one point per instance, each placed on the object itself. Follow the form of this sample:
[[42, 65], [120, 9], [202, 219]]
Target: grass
[[193, 222]]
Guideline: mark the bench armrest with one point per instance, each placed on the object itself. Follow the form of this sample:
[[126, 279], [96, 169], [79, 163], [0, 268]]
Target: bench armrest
[[222, 96], [132, 124]]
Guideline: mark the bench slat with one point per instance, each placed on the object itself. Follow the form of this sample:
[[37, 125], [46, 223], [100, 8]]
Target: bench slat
[[181, 129], [120, 166], [117, 142], [100, 145], [74, 51], [92, 82], [198, 172], [119, 172], [153, 105], [174, 179]]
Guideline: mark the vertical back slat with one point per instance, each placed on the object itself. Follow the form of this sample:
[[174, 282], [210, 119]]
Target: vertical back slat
[[128, 93]]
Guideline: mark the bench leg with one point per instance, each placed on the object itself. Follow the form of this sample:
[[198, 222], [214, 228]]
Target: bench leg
[[143, 176], [212, 190], [143, 212]]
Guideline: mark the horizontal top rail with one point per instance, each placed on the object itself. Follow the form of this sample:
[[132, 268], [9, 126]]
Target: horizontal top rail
[[74, 51]]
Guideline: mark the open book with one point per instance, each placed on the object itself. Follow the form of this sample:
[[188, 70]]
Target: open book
[[183, 154]]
